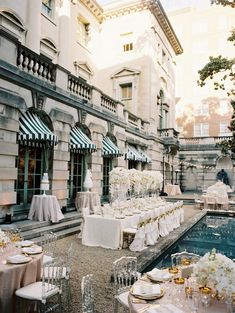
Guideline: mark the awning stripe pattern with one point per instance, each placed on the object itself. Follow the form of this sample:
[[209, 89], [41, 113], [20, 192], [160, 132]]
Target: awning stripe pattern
[[34, 132], [110, 149], [145, 158], [135, 155], [79, 142]]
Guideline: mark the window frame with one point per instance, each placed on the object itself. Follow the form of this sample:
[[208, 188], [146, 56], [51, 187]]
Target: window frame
[[73, 164]]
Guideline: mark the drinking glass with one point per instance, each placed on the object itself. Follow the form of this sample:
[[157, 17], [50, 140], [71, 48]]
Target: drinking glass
[[194, 301]]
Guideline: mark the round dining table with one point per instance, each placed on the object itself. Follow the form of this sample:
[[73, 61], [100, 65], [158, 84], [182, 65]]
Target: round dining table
[[15, 276], [171, 301]]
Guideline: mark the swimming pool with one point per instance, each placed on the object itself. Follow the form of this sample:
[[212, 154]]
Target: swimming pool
[[212, 231]]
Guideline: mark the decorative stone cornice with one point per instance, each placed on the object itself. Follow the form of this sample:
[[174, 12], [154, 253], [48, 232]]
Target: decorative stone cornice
[[156, 9], [94, 8]]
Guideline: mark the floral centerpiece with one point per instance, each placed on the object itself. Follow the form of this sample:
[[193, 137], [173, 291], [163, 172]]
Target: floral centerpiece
[[119, 181], [3, 237], [135, 181], [216, 271]]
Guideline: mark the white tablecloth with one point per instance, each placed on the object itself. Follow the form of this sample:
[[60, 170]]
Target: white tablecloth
[[45, 208], [172, 190], [87, 199], [106, 232], [219, 188]]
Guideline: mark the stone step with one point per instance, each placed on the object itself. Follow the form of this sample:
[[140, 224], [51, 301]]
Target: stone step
[[29, 225], [61, 234], [36, 232], [32, 230]]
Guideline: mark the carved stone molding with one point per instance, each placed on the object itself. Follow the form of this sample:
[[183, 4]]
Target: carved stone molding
[[94, 8], [82, 116], [39, 100], [156, 9]]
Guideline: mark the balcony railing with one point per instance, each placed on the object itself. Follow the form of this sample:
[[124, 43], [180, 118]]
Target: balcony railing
[[108, 103], [195, 141], [35, 64], [168, 133], [79, 87]]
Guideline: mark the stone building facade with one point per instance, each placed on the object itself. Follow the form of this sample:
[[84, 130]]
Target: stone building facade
[[83, 86], [203, 114]]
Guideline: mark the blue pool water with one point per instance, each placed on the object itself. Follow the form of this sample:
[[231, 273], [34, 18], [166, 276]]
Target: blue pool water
[[212, 231]]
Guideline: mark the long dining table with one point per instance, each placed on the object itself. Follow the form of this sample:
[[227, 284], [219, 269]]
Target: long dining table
[[15, 276], [106, 232]]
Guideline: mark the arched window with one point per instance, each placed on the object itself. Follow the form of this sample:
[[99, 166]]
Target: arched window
[[10, 22], [36, 141]]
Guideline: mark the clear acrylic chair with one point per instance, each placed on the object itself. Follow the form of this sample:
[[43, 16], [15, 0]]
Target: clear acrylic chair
[[48, 244], [45, 293], [87, 294], [66, 263], [184, 258], [125, 274]]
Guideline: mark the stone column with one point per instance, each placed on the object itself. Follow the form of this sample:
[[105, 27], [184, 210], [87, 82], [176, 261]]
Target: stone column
[[33, 25], [64, 34]]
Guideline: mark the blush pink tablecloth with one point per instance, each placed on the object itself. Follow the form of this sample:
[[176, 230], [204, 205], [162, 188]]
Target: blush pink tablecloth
[[15, 276], [45, 208], [87, 199], [215, 306], [172, 190]]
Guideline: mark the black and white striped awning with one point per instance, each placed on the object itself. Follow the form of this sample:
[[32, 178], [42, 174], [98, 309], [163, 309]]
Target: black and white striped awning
[[145, 158], [133, 154], [137, 155], [79, 142], [34, 132], [110, 149]]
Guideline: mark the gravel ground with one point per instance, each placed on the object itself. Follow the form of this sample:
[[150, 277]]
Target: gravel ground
[[96, 261]]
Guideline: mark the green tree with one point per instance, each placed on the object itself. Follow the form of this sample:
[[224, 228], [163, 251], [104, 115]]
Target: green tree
[[222, 71], [224, 3]]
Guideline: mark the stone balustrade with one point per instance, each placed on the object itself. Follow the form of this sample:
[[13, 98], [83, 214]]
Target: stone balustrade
[[79, 87], [168, 132], [108, 103], [35, 64]]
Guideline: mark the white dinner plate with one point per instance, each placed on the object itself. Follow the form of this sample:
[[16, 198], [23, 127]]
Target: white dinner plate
[[25, 243], [18, 259], [32, 250]]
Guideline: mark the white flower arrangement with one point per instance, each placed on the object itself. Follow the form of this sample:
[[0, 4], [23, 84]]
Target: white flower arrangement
[[216, 271], [3, 237], [121, 179]]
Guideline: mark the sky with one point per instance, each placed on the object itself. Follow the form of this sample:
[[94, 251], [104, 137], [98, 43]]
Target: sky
[[172, 4]]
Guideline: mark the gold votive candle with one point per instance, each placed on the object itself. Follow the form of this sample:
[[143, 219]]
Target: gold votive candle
[[179, 280], [173, 270], [205, 290]]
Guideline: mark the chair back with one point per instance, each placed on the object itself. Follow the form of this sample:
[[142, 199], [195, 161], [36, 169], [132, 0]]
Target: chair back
[[48, 243], [70, 258], [184, 258], [51, 279], [87, 294], [125, 273]]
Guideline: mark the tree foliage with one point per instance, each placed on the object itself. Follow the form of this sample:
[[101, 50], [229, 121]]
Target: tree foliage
[[220, 70], [224, 3]]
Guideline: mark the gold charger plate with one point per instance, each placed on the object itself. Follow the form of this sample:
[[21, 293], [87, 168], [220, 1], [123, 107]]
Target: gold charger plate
[[145, 297]]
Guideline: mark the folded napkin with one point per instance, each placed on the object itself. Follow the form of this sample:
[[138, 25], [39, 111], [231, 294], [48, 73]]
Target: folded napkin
[[146, 290], [165, 308], [18, 258], [159, 275]]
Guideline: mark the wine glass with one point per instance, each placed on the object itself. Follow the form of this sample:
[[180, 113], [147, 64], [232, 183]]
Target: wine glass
[[194, 301]]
